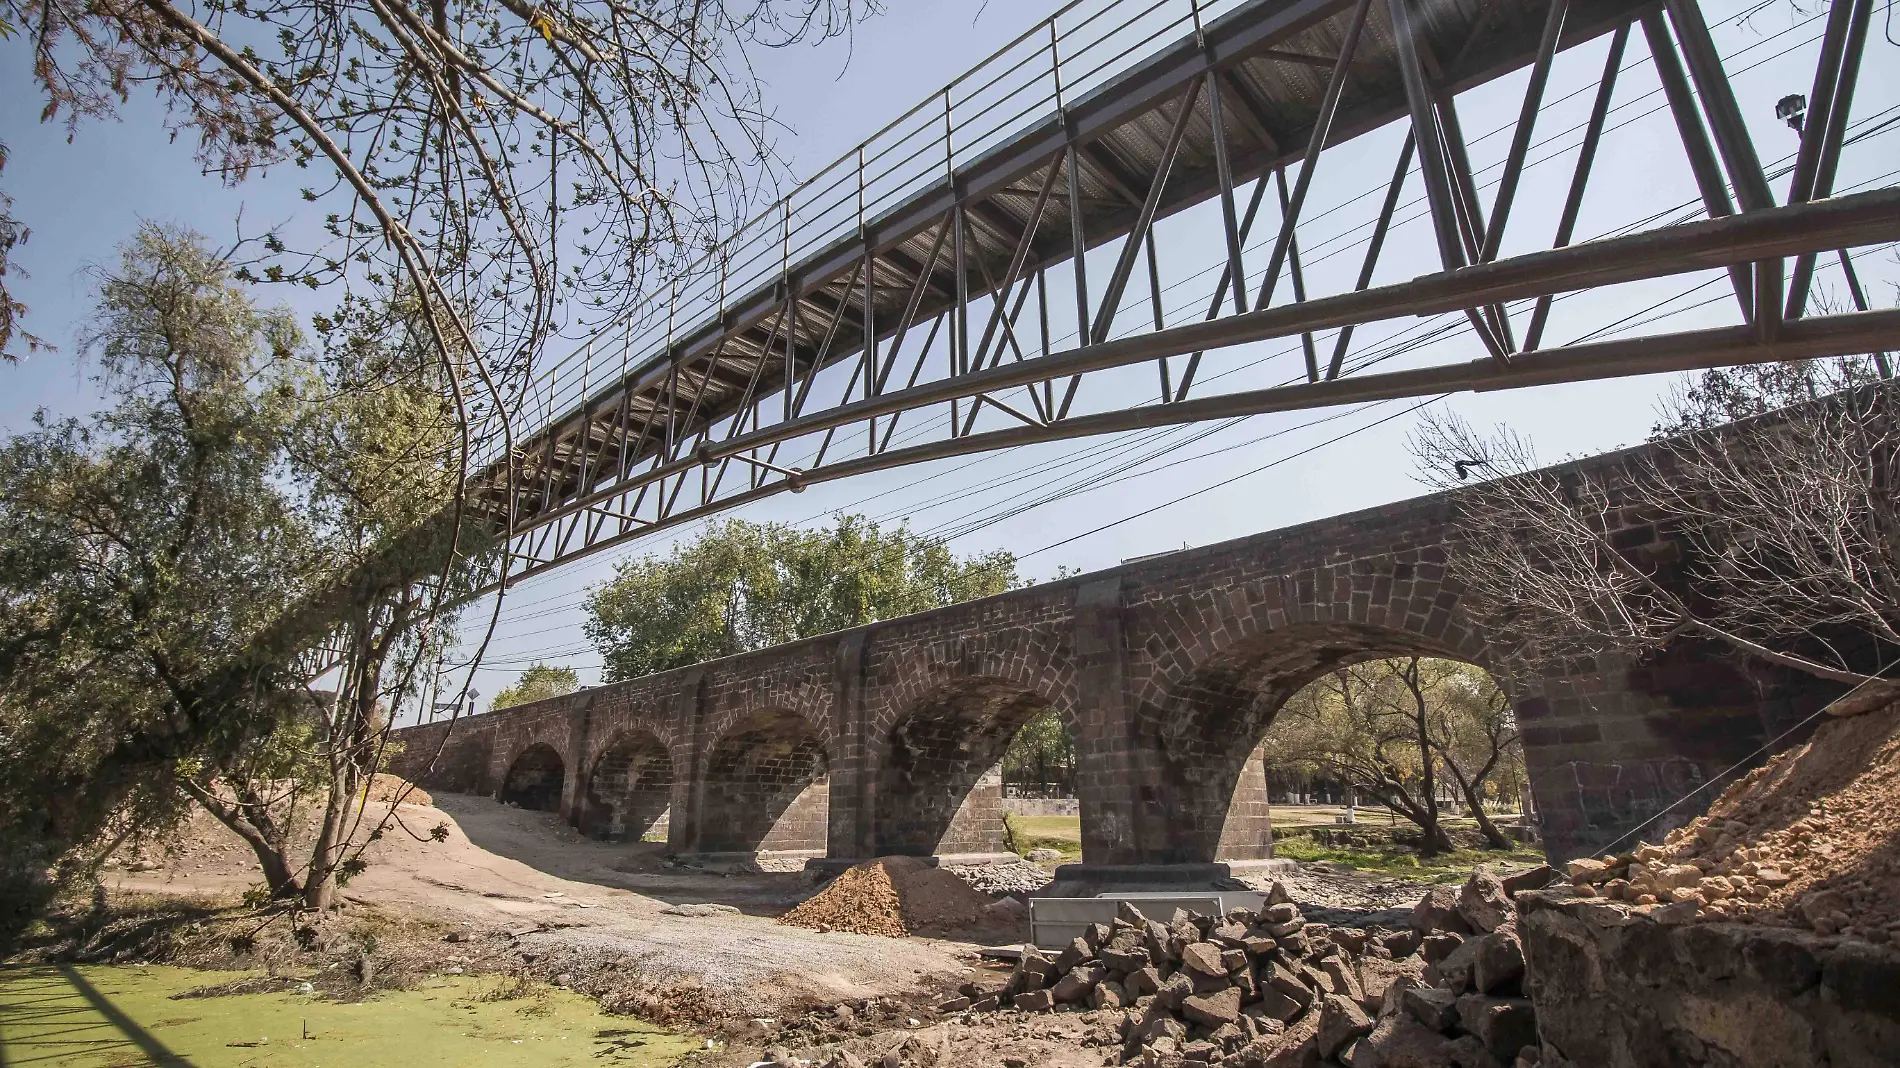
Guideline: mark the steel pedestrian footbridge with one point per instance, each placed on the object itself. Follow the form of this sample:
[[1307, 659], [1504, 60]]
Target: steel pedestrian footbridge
[[923, 298]]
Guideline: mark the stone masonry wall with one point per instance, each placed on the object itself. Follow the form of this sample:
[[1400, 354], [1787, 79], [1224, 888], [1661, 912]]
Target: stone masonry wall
[[1168, 672]]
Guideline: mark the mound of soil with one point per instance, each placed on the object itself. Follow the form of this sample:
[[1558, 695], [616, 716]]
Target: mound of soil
[[1809, 839], [894, 897], [386, 787]]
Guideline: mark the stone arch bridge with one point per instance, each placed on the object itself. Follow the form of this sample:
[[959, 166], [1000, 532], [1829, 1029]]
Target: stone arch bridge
[[886, 738]]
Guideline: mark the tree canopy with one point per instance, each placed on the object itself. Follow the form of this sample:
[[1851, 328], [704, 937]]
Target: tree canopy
[[743, 586], [148, 552], [538, 683]]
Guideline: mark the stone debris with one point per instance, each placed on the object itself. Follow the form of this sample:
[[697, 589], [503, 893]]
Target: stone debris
[[1018, 878], [1248, 989], [895, 896], [1802, 841], [709, 909]]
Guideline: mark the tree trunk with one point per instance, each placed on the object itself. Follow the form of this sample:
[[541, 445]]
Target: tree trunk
[[272, 856], [1435, 839], [1473, 791]]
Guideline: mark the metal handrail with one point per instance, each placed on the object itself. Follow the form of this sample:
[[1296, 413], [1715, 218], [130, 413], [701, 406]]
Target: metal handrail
[[929, 141]]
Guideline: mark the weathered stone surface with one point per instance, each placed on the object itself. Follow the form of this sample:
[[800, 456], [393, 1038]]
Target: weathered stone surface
[[1108, 994], [1213, 1010], [1437, 947], [1467, 1051], [1340, 1021], [1279, 1006], [1481, 902], [1504, 1025], [1623, 991]]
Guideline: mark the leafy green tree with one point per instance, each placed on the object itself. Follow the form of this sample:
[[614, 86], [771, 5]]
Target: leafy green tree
[[538, 683], [745, 586], [149, 554], [141, 547], [1042, 755]]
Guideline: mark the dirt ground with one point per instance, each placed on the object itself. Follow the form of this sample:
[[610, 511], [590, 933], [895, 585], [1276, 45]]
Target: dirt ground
[[528, 875], [520, 892]]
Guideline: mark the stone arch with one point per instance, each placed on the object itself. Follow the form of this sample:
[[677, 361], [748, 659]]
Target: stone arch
[[629, 790], [767, 786], [1208, 730], [535, 779], [939, 782]]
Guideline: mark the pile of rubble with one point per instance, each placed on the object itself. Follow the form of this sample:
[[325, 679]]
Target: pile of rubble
[[1269, 989], [1803, 841]]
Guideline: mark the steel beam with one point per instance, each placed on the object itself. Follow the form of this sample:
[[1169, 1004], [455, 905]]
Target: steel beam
[[1863, 218]]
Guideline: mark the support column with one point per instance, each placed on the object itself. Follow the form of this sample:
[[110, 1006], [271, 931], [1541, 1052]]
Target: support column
[[853, 772], [1248, 832], [1107, 769], [683, 831], [574, 788]]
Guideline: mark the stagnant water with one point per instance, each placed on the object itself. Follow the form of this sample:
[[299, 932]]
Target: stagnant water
[[89, 1016]]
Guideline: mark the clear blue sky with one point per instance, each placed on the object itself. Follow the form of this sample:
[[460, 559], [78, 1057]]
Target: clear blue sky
[[83, 198]]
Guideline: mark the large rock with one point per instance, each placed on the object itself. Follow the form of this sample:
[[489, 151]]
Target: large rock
[[1468, 1052], [1454, 971], [1340, 1021], [1482, 904], [1402, 1042], [1213, 1010], [1499, 964], [1435, 1008], [1617, 988], [1034, 1000], [1204, 958], [1504, 1025], [1075, 986], [1280, 979], [1438, 911]]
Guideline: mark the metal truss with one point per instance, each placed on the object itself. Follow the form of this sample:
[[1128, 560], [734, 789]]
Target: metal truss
[[919, 283]]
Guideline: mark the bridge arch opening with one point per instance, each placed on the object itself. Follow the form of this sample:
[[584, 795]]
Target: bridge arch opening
[[630, 792], [535, 779], [941, 781], [768, 787], [1214, 734]]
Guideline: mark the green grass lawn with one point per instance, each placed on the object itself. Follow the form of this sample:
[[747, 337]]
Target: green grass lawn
[[1064, 833], [1399, 861], [97, 1016], [1060, 833]]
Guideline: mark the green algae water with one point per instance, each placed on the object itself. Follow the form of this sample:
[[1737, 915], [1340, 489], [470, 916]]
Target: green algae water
[[125, 1017]]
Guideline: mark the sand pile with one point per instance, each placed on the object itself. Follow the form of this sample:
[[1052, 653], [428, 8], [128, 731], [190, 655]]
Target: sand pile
[[386, 787], [892, 896], [1809, 839]]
